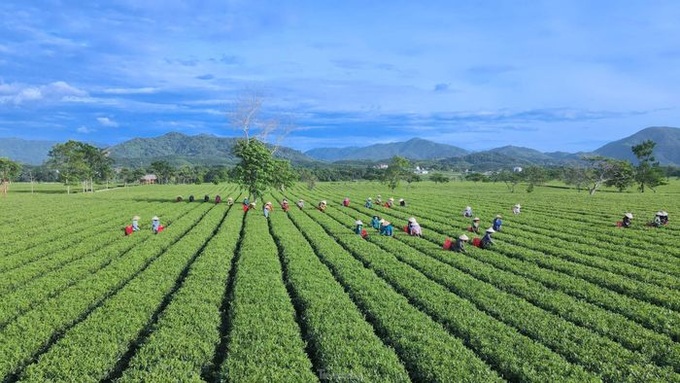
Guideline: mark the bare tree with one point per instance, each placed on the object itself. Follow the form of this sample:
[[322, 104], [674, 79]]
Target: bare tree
[[247, 116], [258, 169], [245, 113]]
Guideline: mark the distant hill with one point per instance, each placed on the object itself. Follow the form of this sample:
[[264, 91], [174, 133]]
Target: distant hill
[[534, 157], [415, 149], [483, 161], [31, 152], [666, 151], [180, 149], [204, 149]]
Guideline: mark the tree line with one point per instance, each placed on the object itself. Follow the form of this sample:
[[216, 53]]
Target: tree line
[[593, 173], [76, 163]]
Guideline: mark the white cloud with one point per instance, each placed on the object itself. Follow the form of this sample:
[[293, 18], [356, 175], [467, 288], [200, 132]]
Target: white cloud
[[55, 91], [8, 88], [85, 130], [146, 90], [62, 89], [28, 94], [107, 122]]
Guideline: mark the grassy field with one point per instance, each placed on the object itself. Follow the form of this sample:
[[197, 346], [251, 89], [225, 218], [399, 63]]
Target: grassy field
[[223, 295]]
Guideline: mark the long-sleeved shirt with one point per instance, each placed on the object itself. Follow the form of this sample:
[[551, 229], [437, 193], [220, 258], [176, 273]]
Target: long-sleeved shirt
[[497, 224], [135, 225], [414, 229], [458, 246], [386, 230], [486, 240]]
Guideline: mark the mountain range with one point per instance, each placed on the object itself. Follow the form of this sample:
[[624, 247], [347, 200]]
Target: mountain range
[[32, 152], [415, 149], [180, 149], [666, 151]]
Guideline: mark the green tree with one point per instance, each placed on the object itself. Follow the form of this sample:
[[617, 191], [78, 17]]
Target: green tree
[[439, 178], [99, 165], [576, 176], [509, 178], [534, 175], [125, 174], [308, 177], [217, 174], [163, 171], [396, 171], [69, 161], [8, 171], [476, 177], [622, 176], [648, 172], [608, 172], [258, 170], [185, 174], [284, 175]]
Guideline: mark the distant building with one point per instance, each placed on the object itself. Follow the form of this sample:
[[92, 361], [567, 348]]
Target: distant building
[[517, 169], [148, 179], [381, 166], [420, 170]]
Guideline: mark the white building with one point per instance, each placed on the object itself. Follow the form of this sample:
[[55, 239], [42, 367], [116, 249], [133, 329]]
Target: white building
[[420, 170]]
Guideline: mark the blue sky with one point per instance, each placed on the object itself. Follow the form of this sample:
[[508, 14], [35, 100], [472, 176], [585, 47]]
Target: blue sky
[[551, 75]]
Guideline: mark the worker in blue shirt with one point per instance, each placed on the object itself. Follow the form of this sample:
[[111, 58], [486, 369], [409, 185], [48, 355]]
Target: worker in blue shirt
[[497, 222]]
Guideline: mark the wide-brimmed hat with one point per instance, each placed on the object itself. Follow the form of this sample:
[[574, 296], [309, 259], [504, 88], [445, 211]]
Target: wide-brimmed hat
[[268, 203], [401, 199], [358, 222], [499, 216], [391, 199], [490, 230], [629, 215], [659, 213], [253, 204], [476, 219], [285, 200], [412, 219], [369, 199], [379, 196], [381, 220], [664, 214], [136, 218], [323, 202], [301, 200], [386, 223], [463, 237], [468, 208], [517, 206], [155, 218]]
